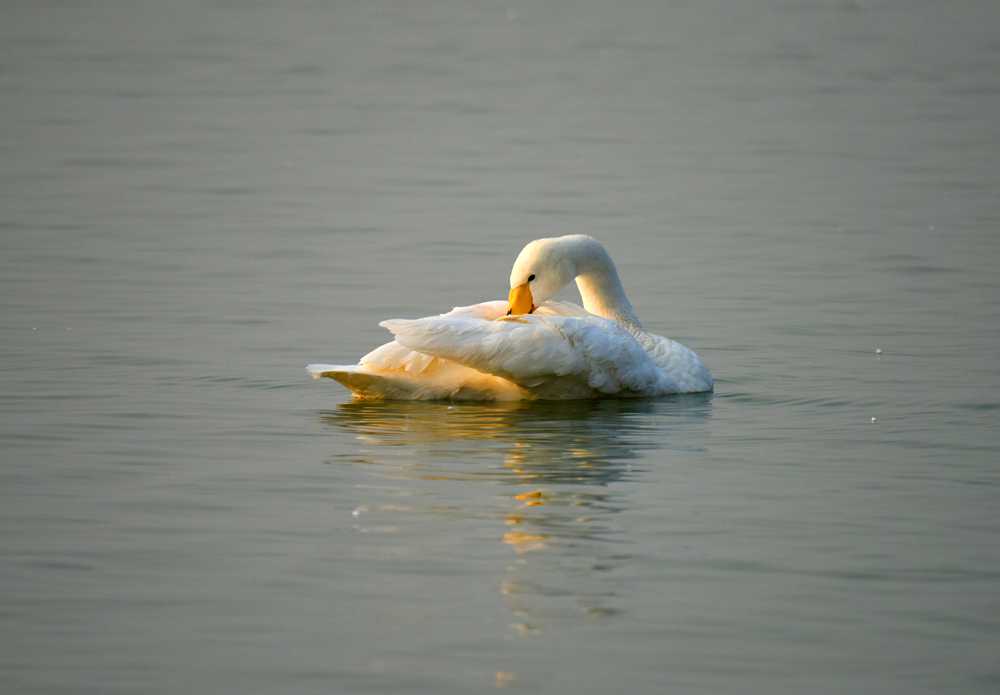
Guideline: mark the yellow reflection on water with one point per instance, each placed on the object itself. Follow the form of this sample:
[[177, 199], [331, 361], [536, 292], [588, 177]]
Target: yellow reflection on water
[[577, 441], [562, 461]]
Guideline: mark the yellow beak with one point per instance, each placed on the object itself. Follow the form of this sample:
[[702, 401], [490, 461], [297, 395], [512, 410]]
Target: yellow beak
[[521, 301]]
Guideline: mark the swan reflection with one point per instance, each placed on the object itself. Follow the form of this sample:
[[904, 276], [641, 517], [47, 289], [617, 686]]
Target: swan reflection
[[560, 459]]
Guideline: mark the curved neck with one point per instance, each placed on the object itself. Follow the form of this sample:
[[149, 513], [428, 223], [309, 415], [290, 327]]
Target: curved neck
[[601, 289]]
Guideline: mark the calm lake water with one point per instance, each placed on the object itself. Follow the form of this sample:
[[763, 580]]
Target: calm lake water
[[197, 199]]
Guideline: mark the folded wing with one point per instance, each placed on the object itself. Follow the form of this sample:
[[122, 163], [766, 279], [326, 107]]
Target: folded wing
[[547, 356]]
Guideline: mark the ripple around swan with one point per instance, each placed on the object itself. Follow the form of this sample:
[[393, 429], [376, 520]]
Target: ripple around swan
[[581, 441]]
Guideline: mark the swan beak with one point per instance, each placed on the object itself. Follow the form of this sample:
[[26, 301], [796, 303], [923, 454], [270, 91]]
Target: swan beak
[[521, 301]]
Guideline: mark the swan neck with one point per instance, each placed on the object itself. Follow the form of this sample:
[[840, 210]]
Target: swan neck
[[603, 294]]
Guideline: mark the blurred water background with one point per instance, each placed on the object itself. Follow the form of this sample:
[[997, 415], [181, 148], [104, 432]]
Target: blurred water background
[[198, 198]]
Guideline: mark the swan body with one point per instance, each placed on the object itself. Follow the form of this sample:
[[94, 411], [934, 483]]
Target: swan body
[[530, 347]]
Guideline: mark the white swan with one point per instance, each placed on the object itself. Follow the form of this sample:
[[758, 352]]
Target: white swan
[[530, 347]]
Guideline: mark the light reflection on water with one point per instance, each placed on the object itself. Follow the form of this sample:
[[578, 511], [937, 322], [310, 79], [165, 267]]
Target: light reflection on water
[[586, 442], [562, 460]]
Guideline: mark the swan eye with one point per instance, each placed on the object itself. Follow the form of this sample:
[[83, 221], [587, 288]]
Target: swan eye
[[530, 278]]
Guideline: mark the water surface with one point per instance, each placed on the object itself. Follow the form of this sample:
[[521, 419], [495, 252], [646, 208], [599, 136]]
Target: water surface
[[199, 200]]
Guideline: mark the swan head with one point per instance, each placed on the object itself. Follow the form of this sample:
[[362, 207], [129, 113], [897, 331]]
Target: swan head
[[543, 267]]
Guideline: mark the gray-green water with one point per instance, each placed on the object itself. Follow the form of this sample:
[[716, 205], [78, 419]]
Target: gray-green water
[[198, 199]]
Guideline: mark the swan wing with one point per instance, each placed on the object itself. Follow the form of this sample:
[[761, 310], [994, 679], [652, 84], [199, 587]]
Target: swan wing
[[547, 356]]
